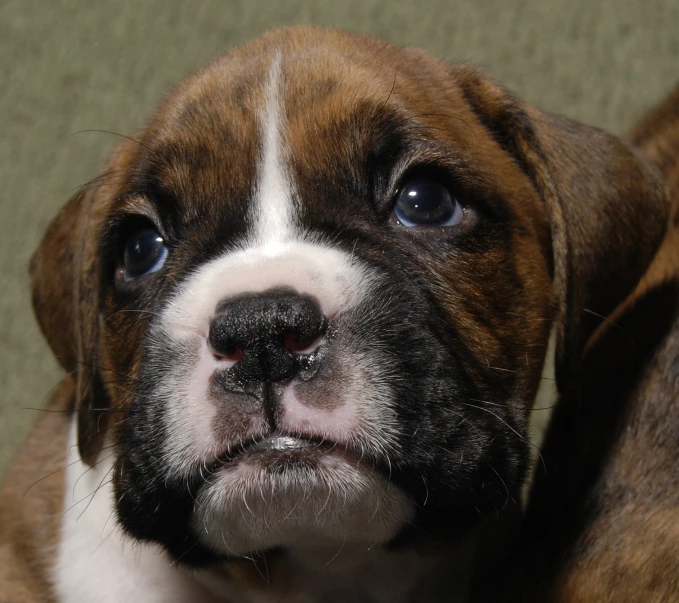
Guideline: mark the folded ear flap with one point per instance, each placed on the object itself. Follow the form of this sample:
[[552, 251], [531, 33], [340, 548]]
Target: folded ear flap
[[608, 210], [66, 281]]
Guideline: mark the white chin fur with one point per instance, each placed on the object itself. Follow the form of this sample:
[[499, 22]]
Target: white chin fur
[[250, 509]]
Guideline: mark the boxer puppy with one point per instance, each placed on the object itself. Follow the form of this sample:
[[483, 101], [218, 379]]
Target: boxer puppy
[[603, 523], [304, 315]]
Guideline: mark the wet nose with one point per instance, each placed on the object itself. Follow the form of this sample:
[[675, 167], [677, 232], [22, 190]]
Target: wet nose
[[267, 334]]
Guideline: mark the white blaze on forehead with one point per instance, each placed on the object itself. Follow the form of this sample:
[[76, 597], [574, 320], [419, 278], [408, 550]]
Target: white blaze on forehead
[[274, 254], [273, 202]]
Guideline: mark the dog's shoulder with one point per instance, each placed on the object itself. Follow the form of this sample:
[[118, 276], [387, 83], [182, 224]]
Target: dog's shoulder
[[33, 487], [628, 549]]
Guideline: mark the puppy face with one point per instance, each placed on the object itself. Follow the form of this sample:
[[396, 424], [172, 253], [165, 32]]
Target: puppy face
[[318, 289]]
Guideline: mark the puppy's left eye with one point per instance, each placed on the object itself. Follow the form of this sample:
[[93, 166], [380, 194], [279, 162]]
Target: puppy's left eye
[[427, 202], [145, 252]]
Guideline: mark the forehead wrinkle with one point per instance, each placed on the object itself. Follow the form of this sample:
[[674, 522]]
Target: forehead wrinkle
[[205, 164]]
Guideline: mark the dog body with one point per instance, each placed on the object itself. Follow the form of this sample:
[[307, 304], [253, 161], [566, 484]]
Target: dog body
[[305, 313]]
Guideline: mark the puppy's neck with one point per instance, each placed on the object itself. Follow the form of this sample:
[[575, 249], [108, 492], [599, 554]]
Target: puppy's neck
[[427, 571]]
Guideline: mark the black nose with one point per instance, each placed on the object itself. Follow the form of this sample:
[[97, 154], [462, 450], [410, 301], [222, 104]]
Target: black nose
[[266, 333]]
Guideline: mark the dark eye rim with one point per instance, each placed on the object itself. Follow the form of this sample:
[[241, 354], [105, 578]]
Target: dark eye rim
[[438, 174], [151, 263], [122, 228], [446, 205], [469, 184]]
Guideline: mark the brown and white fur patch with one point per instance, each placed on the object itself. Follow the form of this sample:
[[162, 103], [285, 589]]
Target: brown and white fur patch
[[305, 315]]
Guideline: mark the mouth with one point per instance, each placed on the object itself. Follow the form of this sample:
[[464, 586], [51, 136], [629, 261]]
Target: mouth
[[280, 490], [284, 449], [280, 443]]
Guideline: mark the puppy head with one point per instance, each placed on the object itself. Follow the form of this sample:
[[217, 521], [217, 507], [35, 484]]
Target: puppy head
[[310, 302]]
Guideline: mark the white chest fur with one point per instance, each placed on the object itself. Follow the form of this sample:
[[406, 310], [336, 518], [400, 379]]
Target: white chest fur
[[95, 560]]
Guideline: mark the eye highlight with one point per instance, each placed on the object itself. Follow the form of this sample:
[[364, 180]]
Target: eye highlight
[[427, 202], [145, 252]]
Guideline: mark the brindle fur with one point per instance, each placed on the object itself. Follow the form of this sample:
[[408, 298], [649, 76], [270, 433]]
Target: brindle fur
[[603, 522], [31, 504], [559, 203]]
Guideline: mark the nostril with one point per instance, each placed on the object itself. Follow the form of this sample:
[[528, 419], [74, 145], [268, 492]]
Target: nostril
[[301, 345], [224, 349], [266, 335], [234, 356]]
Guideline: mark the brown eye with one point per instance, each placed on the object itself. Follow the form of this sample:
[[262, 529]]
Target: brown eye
[[145, 252], [427, 202]]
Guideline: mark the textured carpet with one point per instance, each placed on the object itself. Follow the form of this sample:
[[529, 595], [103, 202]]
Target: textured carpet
[[69, 66]]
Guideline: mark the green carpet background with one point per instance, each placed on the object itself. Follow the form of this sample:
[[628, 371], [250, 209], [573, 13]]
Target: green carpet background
[[72, 65]]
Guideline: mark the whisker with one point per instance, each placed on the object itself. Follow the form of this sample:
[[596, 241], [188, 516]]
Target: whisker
[[76, 410], [47, 476], [141, 144], [99, 433], [131, 311], [186, 552], [393, 86], [88, 470], [503, 483], [608, 320], [337, 554], [98, 367], [98, 180], [499, 418], [102, 483]]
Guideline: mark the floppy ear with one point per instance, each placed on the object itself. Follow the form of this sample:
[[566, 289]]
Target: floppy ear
[[607, 206], [608, 209], [65, 282]]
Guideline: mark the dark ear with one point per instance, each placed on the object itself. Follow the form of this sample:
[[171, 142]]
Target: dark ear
[[65, 282], [607, 205], [608, 209]]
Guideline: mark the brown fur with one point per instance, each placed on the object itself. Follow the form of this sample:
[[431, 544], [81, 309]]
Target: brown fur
[[576, 206], [31, 505], [658, 136], [602, 524]]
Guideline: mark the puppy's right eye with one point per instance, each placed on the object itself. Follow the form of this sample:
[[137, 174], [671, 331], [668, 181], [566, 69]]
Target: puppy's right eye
[[425, 201], [145, 252]]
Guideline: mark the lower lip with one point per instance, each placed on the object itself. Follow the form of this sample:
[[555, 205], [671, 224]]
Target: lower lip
[[290, 450], [281, 444]]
